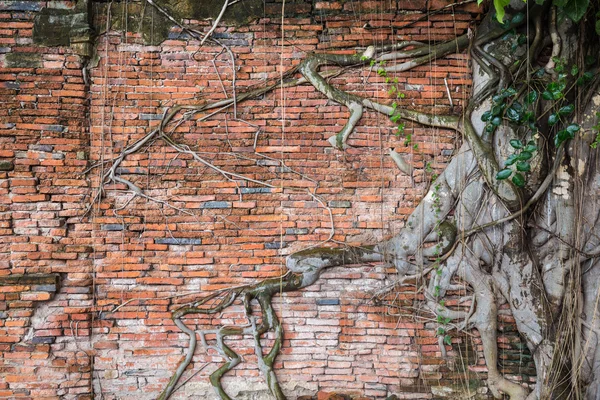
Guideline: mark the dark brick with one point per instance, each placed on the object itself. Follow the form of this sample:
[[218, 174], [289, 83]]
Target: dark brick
[[340, 204], [255, 190], [44, 288], [29, 279], [41, 147], [54, 128], [131, 171], [179, 35], [151, 117], [179, 241], [6, 165], [21, 5], [43, 340], [112, 227], [328, 302], [275, 245], [216, 204], [296, 231]]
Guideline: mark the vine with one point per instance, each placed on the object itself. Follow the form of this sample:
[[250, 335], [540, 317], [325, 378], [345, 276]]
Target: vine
[[454, 231]]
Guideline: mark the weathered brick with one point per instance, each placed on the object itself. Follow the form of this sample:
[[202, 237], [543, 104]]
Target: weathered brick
[[216, 204], [112, 227], [275, 245], [340, 204], [178, 241], [335, 340]]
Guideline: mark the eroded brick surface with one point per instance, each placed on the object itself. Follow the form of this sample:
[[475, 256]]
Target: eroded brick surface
[[53, 127]]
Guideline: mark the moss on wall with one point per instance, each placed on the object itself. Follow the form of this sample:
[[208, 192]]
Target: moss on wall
[[23, 60], [154, 26]]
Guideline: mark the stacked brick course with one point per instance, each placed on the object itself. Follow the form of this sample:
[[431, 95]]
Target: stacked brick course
[[43, 135], [122, 265]]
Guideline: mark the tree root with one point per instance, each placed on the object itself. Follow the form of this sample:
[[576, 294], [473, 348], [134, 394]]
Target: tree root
[[305, 268], [454, 254]]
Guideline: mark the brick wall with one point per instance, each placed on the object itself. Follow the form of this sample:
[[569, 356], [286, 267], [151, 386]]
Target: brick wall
[[43, 138], [129, 258]]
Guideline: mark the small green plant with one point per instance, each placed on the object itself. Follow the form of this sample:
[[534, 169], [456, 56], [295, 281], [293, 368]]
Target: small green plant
[[441, 331], [504, 106], [520, 160], [394, 91]]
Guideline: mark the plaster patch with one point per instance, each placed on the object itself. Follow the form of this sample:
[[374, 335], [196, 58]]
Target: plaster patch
[[561, 188]]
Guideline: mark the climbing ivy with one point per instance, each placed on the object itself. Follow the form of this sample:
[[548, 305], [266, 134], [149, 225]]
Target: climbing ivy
[[573, 9]]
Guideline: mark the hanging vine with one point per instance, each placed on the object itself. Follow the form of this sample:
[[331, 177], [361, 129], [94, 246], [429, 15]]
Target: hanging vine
[[520, 158]]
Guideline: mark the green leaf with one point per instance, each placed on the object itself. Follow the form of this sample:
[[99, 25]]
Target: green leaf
[[559, 66], [547, 95], [511, 160], [517, 19], [447, 340], [557, 140], [518, 180], [496, 110], [557, 95], [489, 128], [529, 116], [563, 135], [525, 155], [513, 114], [566, 110], [587, 76], [530, 148], [574, 70], [497, 98], [573, 128], [517, 106], [552, 119], [499, 5], [486, 116], [523, 166], [505, 173], [575, 9], [560, 3], [531, 97], [496, 121], [590, 60], [517, 144], [522, 40]]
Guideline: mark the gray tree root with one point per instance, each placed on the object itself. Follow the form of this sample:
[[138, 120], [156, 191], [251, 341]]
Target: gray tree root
[[533, 246]]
